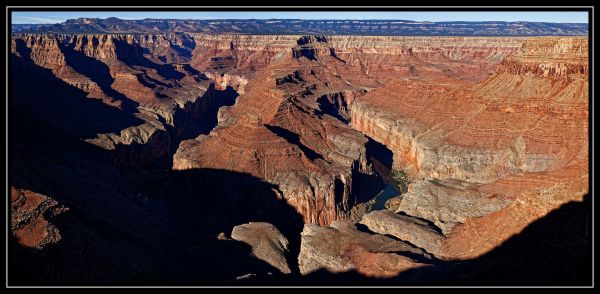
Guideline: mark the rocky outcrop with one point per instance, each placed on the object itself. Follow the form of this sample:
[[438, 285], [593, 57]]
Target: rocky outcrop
[[153, 151], [312, 47], [342, 248], [31, 216], [275, 131], [238, 54], [337, 104], [568, 58], [478, 138], [46, 51], [390, 113], [132, 73], [470, 59], [491, 132], [410, 229], [169, 48], [390, 116], [458, 114], [267, 243], [249, 146], [237, 82], [447, 203]]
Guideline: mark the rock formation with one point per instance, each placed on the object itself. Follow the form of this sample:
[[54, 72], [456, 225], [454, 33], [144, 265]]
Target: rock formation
[[267, 243], [342, 248], [169, 139], [409, 229], [30, 218], [466, 170]]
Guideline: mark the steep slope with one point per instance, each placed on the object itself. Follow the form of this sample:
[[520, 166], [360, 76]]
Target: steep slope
[[494, 156], [115, 70], [167, 140], [275, 132], [305, 90]]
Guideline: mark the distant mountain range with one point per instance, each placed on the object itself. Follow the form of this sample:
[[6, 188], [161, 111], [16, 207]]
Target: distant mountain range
[[28, 27], [302, 27]]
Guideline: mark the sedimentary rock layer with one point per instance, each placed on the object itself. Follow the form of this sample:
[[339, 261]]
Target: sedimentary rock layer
[[342, 248], [266, 241], [465, 144], [31, 214], [491, 132]]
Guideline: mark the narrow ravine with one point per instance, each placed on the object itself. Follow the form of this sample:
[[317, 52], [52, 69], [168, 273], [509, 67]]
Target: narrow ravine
[[200, 117], [379, 156], [194, 118]]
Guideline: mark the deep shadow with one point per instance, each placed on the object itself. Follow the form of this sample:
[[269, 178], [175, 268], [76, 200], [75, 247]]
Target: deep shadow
[[334, 105], [151, 83], [294, 139], [133, 56], [140, 227], [59, 102], [98, 72], [154, 153], [198, 76], [334, 55], [379, 152], [200, 117], [48, 158], [429, 223], [367, 186], [160, 228], [176, 246], [293, 78], [229, 199], [235, 197], [186, 50], [555, 250], [187, 41], [311, 39]]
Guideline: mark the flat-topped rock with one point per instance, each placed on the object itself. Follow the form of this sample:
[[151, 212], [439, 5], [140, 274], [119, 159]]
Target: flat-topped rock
[[267, 243], [342, 248]]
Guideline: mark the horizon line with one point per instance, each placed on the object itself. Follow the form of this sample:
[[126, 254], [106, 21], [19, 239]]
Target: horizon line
[[302, 19], [56, 17]]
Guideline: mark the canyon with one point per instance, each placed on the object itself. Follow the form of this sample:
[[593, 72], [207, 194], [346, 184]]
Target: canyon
[[195, 158]]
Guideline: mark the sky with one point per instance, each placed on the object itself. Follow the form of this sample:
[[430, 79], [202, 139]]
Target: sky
[[546, 16]]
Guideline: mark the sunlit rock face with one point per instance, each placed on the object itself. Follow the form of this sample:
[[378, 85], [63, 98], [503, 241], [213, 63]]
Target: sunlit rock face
[[31, 214], [491, 132], [308, 77], [267, 243], [342, 248], [490, 157]]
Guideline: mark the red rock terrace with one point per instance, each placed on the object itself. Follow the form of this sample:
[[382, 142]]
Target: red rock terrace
[[135, 156]]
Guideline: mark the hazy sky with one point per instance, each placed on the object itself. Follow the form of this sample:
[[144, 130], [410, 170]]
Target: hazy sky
[[548, 16]]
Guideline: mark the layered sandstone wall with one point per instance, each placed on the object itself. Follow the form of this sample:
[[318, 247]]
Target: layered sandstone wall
[[471, 58], [518, 137], [492, 132], [127, 72]]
